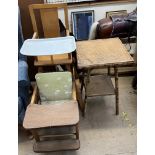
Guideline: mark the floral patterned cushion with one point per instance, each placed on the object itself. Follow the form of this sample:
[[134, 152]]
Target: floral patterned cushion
[[54, 86]]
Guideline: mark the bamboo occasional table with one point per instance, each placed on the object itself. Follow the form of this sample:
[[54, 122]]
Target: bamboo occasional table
[[101, 53]]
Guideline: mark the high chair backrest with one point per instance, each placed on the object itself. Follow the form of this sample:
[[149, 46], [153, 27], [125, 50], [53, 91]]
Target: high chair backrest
[[48, 20], [54, 86]]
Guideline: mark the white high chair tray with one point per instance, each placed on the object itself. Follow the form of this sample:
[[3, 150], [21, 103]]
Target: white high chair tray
[[49, 46]]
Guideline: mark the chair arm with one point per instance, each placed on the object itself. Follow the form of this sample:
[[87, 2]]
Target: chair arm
[[35, 35], [74, 92], [67, 32], [35, 96]]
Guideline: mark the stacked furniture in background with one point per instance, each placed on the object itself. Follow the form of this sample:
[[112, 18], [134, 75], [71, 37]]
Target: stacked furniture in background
[[23, 80]]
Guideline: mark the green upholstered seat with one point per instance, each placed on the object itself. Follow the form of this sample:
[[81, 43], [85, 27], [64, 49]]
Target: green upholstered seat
[[54, 86]]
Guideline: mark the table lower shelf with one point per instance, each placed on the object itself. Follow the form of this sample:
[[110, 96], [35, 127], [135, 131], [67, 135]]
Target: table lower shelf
[[56, 145], [100, 85]]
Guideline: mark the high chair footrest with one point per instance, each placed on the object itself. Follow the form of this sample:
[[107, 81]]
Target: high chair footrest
[[56, 145]]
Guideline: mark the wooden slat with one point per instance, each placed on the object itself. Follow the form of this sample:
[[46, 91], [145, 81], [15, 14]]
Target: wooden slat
[[35, 95], [49, 6], [52, 60], [59, 145], [58, 135], [50, 22], [44, 59], [100, 85], [62, 113], [55, 62], [66, 17], [60, 57], [33, 20], [74, 92]]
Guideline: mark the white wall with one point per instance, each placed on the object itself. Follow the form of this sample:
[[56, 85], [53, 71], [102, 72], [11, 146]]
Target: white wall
[[100, 10]]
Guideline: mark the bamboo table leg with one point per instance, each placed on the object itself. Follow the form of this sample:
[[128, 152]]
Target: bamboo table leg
[[80, 94], [86, 94], [116, 90]]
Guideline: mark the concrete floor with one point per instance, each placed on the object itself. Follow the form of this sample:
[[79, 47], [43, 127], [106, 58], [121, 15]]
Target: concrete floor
[[101, 131]]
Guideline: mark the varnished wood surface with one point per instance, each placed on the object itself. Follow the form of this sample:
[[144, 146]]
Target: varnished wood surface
[[35, 95], [49, 17], [50, 22], [102, 52], [57, 145], [25, 16], [62, 113], [45, 62]]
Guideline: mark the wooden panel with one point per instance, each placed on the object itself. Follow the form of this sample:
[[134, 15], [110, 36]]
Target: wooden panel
[[58, 61], [55, 59], [25, 16], [59, 145], [50, 22], [45, 58], [100, 85], [60, 113], [36, 21], [60, 57]]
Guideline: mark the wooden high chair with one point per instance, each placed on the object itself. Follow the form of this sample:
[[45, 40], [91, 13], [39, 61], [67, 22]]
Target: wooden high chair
[[53, 115], [46, 25]]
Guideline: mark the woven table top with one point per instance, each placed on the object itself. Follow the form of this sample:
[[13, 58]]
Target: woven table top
[[102, 52]]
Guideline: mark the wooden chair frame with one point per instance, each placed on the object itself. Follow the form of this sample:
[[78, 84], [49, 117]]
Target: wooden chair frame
[[43, 146]]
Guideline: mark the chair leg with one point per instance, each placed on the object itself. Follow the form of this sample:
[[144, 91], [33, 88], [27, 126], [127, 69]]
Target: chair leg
[[109, 71], [77, 131], [35, 135]]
